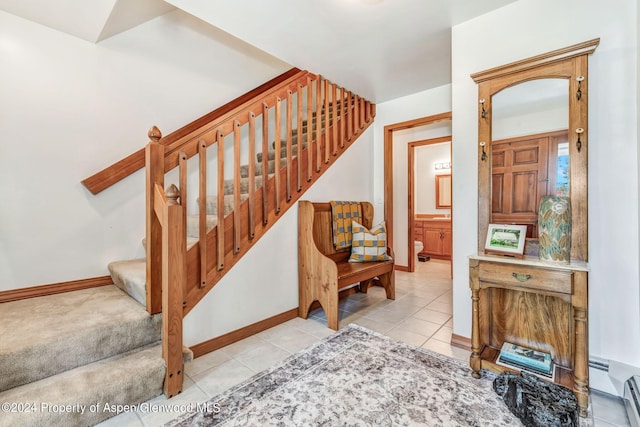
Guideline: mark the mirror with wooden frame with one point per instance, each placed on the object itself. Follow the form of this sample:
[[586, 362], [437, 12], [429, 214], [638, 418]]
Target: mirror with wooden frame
[[443, 191], [533, 140]]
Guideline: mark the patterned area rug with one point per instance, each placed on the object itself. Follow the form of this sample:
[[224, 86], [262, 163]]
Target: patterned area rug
[[357, 377]]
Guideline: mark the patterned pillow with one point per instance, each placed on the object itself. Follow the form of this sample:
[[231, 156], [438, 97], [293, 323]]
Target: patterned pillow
[[368, 245], [342, 212]]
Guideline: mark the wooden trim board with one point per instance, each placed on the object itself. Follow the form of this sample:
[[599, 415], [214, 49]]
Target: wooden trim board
[[242, 333], [54, 288], [461, 342], [584, 48]]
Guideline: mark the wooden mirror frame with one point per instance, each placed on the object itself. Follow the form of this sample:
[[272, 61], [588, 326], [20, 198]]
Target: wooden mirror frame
[[570, 63], [443, 198]]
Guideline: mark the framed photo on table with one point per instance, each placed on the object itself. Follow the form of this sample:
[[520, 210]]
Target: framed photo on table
[[506, 239]]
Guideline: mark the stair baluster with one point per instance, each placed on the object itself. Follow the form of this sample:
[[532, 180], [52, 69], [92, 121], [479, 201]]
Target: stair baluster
[[221, 225], [349, 117], [202, 211], [252, 174], [343, 112], [182, 168], [327, 117], [356, 115], [299, 139], [265, 163], [288, 143], [318, 119], [334, 113], [278, 148], [309, 130], [236, 187]]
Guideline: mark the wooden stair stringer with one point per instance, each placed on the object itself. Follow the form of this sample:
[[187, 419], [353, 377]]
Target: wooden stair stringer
[[194, 293]]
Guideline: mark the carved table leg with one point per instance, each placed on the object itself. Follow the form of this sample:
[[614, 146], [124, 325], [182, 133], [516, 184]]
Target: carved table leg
[[581, 357], [474, 360]]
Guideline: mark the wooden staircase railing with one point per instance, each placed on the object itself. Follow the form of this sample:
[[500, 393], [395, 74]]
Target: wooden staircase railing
[[324, 121]]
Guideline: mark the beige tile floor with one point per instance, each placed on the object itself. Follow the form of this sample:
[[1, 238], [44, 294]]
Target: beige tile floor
[[421, 315]]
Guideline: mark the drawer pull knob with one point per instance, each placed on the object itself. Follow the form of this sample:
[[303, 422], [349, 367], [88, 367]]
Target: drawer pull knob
[[521, 277]]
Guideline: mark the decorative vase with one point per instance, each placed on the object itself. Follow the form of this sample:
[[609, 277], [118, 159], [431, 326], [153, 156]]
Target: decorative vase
[[554, 229]]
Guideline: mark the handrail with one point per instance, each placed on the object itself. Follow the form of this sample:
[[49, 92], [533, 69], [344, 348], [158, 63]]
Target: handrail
[[123, 168]]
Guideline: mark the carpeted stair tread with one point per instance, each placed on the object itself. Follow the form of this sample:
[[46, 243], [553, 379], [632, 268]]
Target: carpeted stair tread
[[47, 335], [124, 379], [131, 276], [283, 153], [271, 168], [212, 203], [193, 225], [244, 169], [229, 185]]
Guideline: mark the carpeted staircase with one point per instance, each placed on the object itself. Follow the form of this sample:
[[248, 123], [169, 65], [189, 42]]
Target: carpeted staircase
[[61, 354]]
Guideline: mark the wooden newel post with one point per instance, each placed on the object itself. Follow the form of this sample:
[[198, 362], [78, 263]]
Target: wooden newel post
[[174, 275], [154, 161]]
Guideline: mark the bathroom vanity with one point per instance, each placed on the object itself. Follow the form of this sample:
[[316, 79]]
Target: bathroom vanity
[[435, 235]]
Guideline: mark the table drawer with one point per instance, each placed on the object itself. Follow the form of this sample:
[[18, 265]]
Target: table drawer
[[527, 277]]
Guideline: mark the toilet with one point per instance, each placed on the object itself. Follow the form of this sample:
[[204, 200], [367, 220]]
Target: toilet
[[417, 248]]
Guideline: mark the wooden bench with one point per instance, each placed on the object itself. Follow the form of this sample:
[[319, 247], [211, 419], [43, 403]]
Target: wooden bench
[[324, 271]]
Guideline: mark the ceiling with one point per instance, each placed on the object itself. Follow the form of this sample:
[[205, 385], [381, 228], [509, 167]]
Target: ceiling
[[381, 49]]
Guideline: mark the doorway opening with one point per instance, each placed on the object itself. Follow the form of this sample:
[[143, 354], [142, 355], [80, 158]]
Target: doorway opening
[[395, 206], [429, 201]]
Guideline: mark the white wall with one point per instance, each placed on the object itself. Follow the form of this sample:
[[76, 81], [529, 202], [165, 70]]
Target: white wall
[[426, 156], [422, 104], [70, 108], [530, 27], [638, 105]]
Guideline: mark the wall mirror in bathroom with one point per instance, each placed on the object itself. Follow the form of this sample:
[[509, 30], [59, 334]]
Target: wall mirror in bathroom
[[443, 191]]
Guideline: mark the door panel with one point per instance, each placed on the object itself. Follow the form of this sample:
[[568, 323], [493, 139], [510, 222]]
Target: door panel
[[519, 179]]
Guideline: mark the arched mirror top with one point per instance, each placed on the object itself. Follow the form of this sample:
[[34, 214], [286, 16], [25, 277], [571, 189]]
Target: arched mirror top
[[540, 100], [530, 107]]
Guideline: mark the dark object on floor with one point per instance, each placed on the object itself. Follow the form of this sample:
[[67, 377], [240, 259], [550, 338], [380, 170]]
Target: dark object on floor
[[537, 402], [423, 258]]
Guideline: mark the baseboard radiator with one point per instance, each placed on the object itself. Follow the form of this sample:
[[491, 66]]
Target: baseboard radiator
[[632, 400]]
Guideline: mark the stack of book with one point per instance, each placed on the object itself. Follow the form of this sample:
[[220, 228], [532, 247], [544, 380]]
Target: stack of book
[[526, 359]]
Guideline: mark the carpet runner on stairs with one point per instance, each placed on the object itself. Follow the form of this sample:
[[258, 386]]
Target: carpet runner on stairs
[[78, 348]]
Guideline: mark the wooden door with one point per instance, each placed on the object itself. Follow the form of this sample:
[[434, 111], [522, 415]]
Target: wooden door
[[519, 180]]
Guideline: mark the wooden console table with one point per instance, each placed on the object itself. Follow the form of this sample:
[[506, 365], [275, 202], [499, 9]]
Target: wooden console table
[[533, 304]]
